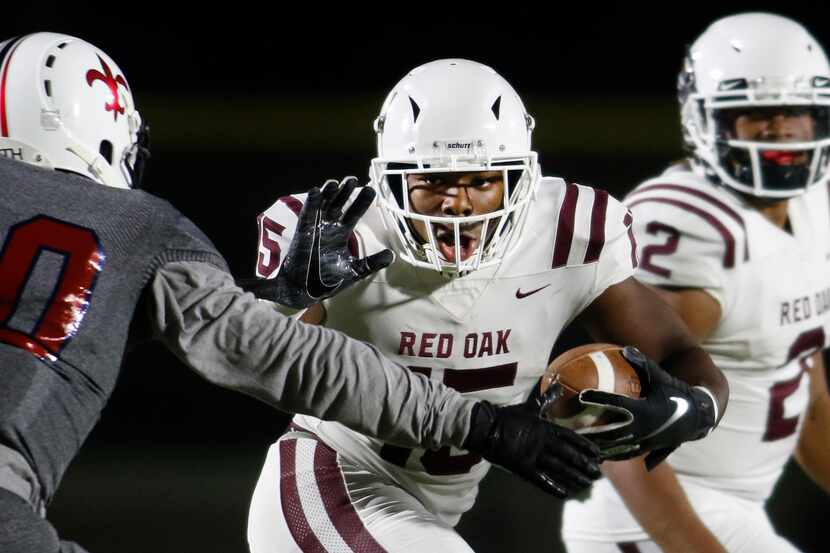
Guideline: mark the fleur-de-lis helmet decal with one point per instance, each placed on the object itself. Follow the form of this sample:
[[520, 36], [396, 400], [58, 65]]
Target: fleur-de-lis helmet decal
[[112, 83]]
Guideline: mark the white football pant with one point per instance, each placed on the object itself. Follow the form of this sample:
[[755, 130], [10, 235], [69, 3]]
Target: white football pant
[[741, 525], [309, 499]]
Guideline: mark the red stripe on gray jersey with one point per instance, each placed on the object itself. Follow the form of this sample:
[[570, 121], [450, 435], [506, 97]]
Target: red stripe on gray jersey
[[597, 240], [5, 61], [339, 505], [565, 227], [292, 509], [728, 238], [712, 200]]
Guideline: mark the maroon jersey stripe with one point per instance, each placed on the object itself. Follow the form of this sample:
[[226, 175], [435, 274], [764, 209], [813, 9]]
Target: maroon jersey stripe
[[627, 220], [729, 240], [293, 204], [597, 240], [565, 227], [292, 509], [712, 200], [339, 505]]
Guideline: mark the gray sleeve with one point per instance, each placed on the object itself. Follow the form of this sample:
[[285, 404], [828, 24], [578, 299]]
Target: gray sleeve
[[237, 341]]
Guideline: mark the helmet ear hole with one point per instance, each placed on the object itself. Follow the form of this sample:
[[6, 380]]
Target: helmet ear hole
[[105, 149]]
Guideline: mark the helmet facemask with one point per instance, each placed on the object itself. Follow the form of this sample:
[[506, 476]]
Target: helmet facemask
[[137, 156], [764, 168], [496, 230]]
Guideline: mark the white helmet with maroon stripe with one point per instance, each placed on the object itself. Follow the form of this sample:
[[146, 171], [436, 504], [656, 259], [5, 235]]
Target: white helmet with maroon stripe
[[65, 104], [755, 64], [454, 115]]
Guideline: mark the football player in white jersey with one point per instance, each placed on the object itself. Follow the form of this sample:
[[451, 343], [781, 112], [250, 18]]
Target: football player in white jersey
[[737, 238], [493, 260]]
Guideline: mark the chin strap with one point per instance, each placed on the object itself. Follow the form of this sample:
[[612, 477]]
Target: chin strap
[[97, 167]]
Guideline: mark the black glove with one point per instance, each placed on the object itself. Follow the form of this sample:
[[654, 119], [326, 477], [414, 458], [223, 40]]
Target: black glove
[[669, 413], [319, 263], [555, 459]]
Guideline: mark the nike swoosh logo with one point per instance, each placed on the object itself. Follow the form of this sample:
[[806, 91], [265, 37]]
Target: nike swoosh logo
[[682, 405], [520, 294], [316, 288]]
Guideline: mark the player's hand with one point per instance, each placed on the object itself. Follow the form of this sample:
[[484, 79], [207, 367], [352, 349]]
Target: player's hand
[[669, 413], [319, 263], [555, 459]]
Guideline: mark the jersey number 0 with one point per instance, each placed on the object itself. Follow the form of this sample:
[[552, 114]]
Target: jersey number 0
[[71, 287]]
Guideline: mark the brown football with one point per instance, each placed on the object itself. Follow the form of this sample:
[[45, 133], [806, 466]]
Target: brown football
[[592, 366]]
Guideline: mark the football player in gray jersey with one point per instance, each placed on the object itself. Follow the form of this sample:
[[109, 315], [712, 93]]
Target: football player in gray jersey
[[81, 262]]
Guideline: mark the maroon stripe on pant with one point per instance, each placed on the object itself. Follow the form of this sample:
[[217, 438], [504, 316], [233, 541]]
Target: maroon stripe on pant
[[565, 227], [627, 220], [292, 509], [338, 503], [712, 200], [629, 547], [597, 240], [729, 240]]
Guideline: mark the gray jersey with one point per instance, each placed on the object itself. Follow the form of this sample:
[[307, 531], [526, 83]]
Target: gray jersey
[[76, 258]]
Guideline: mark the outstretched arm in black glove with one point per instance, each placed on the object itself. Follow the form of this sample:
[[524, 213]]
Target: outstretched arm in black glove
[[319, 263], [554, 458]]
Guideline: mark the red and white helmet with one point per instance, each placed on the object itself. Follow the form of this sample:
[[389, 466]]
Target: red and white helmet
[[65, 104], [454, 115], [756, 61]]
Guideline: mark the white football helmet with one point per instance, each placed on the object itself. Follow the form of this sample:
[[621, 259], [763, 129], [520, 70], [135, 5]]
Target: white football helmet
[[756, 61], [454, 115], [65, 104]]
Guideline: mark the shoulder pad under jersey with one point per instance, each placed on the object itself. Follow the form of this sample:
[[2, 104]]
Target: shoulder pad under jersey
[[689, 232], [590, 224]]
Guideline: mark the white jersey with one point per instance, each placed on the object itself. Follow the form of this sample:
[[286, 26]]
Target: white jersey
[[488, 334], [774, 290]]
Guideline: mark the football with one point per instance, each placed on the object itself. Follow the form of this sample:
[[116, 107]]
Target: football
[[592, 366]]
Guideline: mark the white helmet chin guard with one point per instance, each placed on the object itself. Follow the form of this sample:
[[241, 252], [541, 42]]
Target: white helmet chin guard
[[445, 116], [766, 64], [65, 104]]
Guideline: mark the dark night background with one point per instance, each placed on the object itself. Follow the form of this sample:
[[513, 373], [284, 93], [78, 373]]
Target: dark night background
[[248, 101]]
